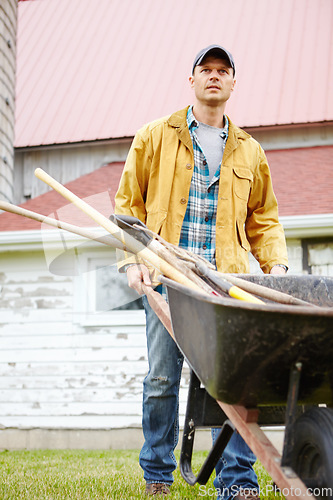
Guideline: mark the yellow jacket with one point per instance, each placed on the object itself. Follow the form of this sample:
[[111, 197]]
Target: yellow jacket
[[156, 181]]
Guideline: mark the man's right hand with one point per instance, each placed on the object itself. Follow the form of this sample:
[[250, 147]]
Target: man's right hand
[[137, 275]]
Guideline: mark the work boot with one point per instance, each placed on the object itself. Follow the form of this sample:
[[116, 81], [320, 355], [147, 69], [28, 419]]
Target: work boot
[[153, 489]]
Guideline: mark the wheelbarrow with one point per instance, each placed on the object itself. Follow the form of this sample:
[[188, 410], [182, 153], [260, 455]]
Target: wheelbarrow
[[261, 365]]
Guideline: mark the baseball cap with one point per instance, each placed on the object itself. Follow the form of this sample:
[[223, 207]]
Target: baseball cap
[[217, 48]]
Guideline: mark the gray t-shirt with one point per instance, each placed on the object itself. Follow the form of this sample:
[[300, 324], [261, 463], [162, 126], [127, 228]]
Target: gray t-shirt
[[212, 145]]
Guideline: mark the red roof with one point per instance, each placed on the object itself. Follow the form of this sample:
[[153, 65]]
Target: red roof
[[302, 180], [97, 188], [93, 70]]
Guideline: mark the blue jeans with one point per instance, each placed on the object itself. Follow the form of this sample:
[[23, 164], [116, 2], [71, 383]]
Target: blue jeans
[[160, 420], [234, 469]]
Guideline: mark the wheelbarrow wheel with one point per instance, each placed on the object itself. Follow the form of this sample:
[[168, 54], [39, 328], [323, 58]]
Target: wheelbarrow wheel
[[312, 454]]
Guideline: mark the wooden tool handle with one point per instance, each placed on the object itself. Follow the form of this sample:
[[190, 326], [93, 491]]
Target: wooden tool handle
[[80, 231], [131, 243]]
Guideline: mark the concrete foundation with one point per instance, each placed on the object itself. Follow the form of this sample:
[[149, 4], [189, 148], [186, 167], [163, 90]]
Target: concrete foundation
[[105, 439]]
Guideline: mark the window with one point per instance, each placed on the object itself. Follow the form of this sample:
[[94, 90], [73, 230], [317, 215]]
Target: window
[[318, 256], [102, 295], [112, 291]]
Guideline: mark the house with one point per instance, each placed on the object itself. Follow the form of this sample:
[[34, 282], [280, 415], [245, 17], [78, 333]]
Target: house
[[89, 74]]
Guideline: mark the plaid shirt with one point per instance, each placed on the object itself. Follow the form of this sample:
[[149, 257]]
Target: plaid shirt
[[199, 226]]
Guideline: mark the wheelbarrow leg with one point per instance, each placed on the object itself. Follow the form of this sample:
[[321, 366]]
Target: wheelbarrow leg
[[288, 445], [202, 411], [246, 424]]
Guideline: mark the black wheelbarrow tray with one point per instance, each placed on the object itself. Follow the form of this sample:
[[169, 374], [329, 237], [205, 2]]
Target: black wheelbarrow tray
[[269, 364]]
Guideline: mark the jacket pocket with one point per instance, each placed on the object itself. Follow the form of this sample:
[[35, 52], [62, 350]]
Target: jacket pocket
[[242, 181], [154, 220], [242, 236]]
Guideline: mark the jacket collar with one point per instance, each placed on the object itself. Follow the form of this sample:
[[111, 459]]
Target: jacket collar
[[178, 121], [236, 135], [178, 118]]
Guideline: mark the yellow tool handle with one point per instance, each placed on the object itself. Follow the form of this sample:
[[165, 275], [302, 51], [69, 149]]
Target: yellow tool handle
[[232, 290], [240, 294]]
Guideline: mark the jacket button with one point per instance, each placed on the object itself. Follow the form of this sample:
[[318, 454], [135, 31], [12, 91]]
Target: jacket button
[[189, 166], [183, 201]]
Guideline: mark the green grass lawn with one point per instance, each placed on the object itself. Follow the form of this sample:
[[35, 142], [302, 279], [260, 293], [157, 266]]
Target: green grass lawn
[[77, 474]]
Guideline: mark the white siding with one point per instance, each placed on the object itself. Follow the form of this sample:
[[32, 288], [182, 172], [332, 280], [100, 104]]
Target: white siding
[[54, 370], [295, 256]]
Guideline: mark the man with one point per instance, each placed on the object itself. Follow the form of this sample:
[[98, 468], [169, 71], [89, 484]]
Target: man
[[203, 184]]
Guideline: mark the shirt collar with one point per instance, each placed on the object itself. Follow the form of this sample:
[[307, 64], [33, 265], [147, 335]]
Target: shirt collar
[[193, 124]]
